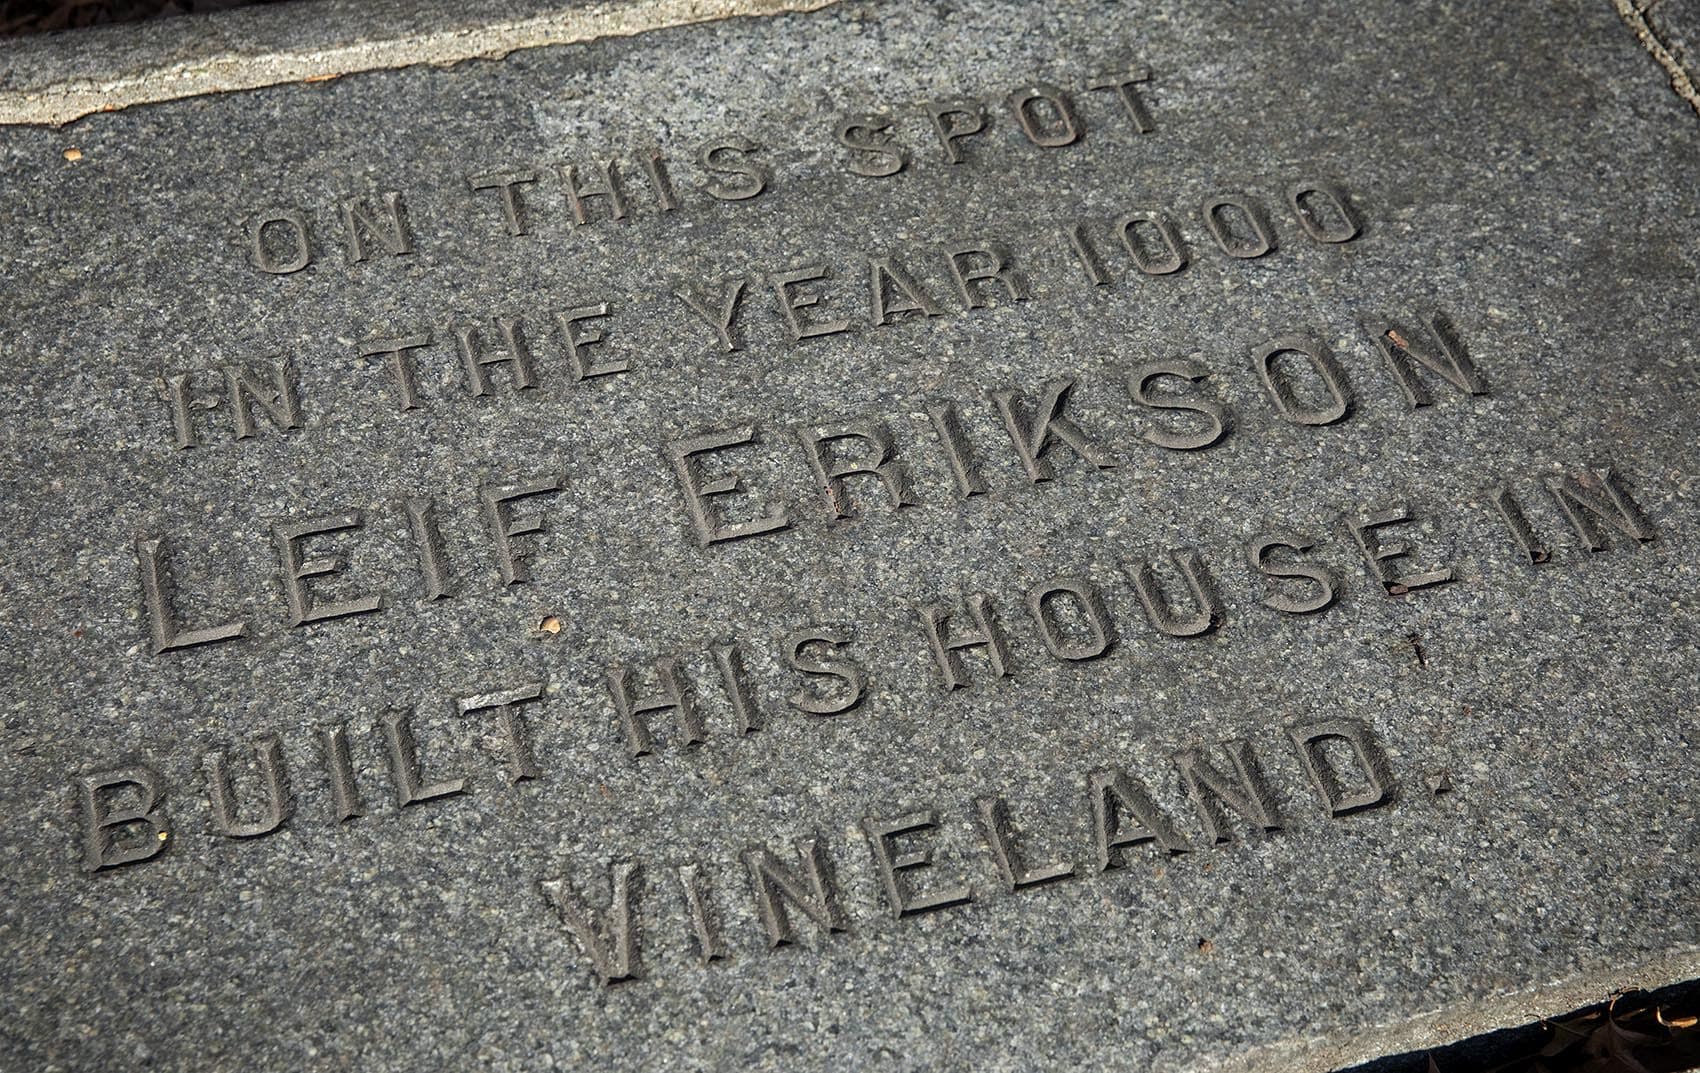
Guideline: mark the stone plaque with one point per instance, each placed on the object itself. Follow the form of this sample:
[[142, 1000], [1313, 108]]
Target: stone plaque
[[925, 536]]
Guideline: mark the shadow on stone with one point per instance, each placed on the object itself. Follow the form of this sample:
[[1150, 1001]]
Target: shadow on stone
[[21, 17], [1635, 1032]]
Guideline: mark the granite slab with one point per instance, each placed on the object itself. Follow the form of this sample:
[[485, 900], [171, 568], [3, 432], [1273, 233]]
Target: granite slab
[[907, 536]]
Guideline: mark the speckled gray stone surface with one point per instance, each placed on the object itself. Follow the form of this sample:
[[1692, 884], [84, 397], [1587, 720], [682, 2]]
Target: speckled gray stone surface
[[1520, 167]]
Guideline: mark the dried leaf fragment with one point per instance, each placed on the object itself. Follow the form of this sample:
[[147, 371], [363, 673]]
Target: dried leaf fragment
[[1675, 1022]]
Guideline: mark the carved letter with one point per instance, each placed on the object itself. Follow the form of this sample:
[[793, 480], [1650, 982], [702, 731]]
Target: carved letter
[[504, 527], [1378, 555], [1112, 792], [1199, 583], [797, 649], [278, 400], [1064, 127], [410, 786], [578, 193], [176, 389], [721, 321], [357, 224], [882, 837], [1344, 224], [296, 570], [433, 559], [1511, 509], [1280, 386], [710, 945], [988, 636], [1452, 362], [831, 471], [1139, 386], [655, 166], [1581, 500], [872, 153], [1262, 238], [1174, 256], [675, 696], [698, 489], [157, 593], [973, 279], [812, 890], [1089, 606], [957, 450], [298, 252], [1123, 85], [792, 302], [751, 178], [1090, 263], [104, 821], [885, 273], [1372, 762], [609, 937], [476, 359], [1257, 554], [339, 764], [401, 364], [522, 764], [1006, 850], [729, 658], [944, 115], [1031, 433], [512, 207], [1210, 789], [583, 367], [269, 752]]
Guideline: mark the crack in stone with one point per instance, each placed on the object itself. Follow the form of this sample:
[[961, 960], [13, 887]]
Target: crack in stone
[[1635, 14]]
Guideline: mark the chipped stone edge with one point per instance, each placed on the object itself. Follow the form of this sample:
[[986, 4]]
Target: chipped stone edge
[[1682, 81], [172, 69], [1463, 1020]]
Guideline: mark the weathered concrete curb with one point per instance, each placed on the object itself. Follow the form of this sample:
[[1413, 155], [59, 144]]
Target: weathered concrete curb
[[58, 78]]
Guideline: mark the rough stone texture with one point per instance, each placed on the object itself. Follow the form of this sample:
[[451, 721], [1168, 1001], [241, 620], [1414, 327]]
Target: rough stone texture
[[1518, 166]]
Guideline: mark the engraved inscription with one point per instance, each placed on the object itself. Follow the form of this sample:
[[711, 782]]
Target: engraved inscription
[[810, 482]]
